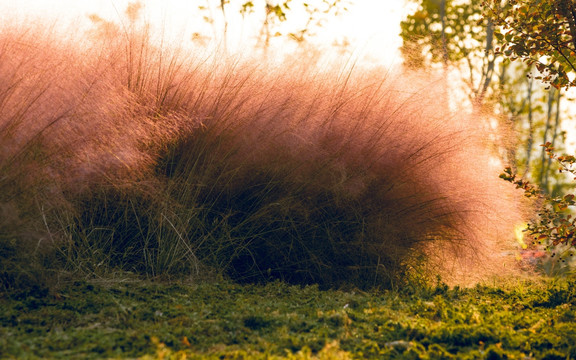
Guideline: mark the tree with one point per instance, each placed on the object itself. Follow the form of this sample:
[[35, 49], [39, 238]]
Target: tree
[[273, 16], [452, 34], [540, 33], [456, 35]]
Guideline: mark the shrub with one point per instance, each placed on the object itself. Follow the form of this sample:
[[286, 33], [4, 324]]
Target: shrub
[[143, 160], [313, 180], [554, 227]]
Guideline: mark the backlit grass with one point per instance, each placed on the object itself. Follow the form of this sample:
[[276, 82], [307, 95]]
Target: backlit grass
[[122, 155]]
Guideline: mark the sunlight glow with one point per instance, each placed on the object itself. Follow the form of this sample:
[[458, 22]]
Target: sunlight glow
[[370, 27]]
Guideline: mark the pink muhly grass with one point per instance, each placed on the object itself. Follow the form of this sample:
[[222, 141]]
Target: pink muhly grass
[[149, 159]]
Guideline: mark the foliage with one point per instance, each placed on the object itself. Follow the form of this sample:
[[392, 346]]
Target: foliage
[[450, 32], [540, 33], [555, 224], [543, 34], [459, 36], [128, 318], [274, 17], [454, 34]]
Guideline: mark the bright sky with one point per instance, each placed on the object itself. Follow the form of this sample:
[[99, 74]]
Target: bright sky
[[370, 26]]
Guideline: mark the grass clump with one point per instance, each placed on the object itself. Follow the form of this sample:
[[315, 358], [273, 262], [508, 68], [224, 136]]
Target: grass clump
[[138, 158], [332, 181]]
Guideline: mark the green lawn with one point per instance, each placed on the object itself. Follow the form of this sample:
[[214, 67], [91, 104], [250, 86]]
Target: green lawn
[[527, 320]]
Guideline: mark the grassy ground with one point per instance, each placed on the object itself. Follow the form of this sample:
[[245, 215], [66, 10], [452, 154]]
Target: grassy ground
[[526, 320]]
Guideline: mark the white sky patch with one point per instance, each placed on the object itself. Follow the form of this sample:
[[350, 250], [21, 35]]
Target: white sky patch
[[371, 27]]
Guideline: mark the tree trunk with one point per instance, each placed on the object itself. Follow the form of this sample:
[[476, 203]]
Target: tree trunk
[[530, 141], [543, 178], [225, 30], [489, 69], [444, 44], [554, 137]]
